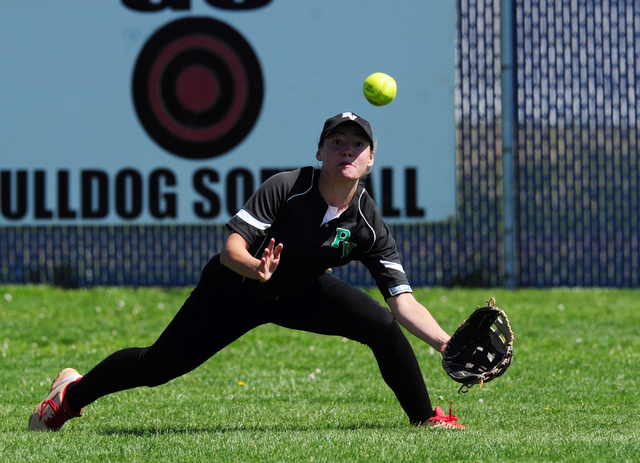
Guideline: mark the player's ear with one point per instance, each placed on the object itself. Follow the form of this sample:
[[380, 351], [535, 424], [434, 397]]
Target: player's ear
[[318, 157], [371, 160]]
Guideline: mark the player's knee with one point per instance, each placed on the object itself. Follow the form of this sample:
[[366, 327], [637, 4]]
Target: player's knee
[[384, 334]]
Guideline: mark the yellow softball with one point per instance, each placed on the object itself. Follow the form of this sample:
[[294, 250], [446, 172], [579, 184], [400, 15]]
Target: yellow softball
[[379, 89]]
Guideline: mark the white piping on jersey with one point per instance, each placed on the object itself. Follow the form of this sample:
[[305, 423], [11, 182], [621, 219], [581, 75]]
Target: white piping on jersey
[[259, 250], [365, 221], [251, 220], [393, 265], [400, 289], [308, 189]]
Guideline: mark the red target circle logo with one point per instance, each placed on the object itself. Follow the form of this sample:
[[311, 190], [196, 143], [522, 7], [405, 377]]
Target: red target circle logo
[[197, 88]]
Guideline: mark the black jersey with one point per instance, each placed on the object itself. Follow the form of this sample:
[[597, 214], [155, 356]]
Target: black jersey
[[289, 208]]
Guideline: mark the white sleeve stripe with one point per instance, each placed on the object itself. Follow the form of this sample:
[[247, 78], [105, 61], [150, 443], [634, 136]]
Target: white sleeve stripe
[[251, 220], [400, 289], [393, 265]]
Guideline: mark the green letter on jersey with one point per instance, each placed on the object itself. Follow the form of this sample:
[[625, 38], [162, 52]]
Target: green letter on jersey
[[342, 235]]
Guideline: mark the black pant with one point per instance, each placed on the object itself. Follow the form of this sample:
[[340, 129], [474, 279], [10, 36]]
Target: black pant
[[216, 314]]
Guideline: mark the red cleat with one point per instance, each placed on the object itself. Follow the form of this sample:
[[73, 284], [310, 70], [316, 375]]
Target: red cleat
[[444, 421]]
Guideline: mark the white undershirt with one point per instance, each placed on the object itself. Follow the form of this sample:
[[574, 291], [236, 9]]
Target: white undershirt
[[332, 213]]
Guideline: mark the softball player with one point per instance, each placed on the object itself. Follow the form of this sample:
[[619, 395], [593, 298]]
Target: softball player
[[273, 268]]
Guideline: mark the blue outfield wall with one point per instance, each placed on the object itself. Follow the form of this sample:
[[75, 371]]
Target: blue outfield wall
[[576, 172]]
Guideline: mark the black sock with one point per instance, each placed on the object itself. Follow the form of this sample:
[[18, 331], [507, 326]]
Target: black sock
[[113, 374], [401, 371]]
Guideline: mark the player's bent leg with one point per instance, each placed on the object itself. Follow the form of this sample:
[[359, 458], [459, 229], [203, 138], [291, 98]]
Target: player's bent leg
[[334, 307], [55, 410]]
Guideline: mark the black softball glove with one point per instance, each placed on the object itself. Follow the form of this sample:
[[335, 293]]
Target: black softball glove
[[481, 348]]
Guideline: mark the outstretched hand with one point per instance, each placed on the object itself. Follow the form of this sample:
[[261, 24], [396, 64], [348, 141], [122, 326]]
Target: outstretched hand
[[270, 260]]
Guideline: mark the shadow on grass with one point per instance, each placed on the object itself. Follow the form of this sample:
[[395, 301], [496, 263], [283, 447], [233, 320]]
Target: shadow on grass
[[149, 431]]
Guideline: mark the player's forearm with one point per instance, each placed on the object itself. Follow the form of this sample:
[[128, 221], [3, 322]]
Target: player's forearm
[[235, 256], [418, 321]]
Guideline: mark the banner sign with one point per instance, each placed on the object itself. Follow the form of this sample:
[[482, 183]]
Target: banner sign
[[174, 111]]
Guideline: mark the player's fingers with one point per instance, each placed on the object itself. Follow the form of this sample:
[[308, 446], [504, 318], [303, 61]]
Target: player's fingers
[[269, 249], [277, 251]]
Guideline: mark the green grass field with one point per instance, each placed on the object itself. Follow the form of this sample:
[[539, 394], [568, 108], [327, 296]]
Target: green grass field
[[571, 393]]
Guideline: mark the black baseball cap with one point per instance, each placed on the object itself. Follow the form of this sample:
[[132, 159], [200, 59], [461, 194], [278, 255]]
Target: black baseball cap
[[341, 118]]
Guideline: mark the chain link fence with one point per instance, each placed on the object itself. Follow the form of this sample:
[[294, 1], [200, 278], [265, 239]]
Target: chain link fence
[[576, 168]]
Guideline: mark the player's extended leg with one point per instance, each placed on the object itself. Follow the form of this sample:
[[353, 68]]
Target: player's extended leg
[[336, 308], [210, 319]]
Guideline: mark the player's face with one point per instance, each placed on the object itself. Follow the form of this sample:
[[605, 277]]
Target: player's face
[[346, 152]]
